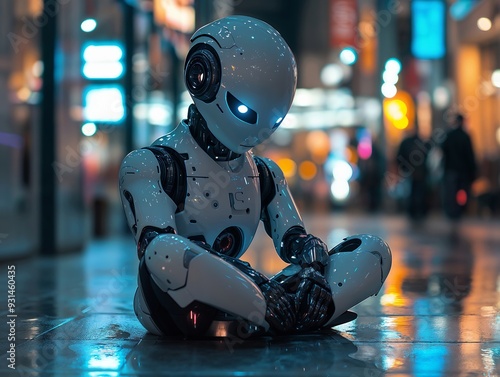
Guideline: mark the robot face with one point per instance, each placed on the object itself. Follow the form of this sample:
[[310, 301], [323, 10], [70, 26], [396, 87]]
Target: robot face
[[241, 75]]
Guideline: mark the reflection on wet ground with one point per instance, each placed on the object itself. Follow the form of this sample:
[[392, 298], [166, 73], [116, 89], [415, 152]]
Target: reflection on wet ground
[[437, 314]]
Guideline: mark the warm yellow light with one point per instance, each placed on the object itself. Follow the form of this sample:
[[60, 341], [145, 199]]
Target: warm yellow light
[[401, 123], [307, 170], [389, 299], [318, 144], [288, 166], [399, 111], [484, 24], [396, 109], [23, 94]]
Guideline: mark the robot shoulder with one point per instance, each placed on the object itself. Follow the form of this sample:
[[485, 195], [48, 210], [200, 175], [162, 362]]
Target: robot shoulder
[[270, 176], [156, 163]]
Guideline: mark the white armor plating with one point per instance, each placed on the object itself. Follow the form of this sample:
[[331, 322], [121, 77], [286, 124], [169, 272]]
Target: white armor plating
[[355, 275], [189, 273], [140, 178], [283, 213], [226, 191]]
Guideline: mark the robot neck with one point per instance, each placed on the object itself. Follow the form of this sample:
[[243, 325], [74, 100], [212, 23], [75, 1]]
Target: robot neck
[[206, 139]]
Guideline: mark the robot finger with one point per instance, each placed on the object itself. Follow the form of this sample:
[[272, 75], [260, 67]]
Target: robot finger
[[322, 306], [317, 300], [317, 311], [280, 316], [302, 295]]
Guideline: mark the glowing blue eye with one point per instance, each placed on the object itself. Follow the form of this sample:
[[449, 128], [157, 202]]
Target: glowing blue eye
[[240, 110]]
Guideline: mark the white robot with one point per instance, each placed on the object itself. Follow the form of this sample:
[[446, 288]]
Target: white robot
[[194, 199]]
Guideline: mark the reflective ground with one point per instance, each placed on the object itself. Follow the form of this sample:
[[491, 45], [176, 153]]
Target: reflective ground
[[437, 314]]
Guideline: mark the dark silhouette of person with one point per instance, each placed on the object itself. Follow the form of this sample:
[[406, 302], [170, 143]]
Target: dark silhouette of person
[[459, 169], [372, 174], [412, 162]]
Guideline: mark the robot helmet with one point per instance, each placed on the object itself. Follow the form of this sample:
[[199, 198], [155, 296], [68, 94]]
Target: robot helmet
[[241, 75]]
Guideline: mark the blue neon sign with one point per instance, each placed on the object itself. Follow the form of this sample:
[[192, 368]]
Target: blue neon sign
[[428, 29]]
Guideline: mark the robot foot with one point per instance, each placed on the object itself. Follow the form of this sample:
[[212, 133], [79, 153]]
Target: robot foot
[[346, 317]]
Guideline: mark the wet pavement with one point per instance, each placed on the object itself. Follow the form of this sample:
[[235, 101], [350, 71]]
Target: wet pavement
[[437, 313]]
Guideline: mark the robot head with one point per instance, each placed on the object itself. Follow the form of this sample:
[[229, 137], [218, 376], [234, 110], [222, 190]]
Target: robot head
[[241, 75]]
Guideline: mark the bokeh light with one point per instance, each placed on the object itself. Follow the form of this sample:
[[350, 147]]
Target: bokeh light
[[332, 74], [89, 129], [393, 65], [88, 25], [495, 78], [318, 145], [288, 166], [484, 24], [339, 190], [341, 170], [348, 56], [307, 170], [390, 77], [388, 90]]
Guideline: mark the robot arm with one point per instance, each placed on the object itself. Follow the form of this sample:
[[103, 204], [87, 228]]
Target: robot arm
[[282, 220], [313, 298], [149, 209]]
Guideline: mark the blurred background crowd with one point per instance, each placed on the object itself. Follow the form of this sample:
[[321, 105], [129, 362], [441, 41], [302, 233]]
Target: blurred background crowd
[[380, 85]]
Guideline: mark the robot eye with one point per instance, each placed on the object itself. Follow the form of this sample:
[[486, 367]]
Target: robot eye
[[240, 110], [202, 73]]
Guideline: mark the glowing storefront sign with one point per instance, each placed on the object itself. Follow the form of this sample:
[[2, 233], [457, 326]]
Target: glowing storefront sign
[[105, 103], [103, 61], [428, 29]]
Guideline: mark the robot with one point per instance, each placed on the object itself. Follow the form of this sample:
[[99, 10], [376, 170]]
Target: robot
[[193, 200]]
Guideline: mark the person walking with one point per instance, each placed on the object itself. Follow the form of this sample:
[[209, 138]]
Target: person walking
[[459, 169], [412, 161]]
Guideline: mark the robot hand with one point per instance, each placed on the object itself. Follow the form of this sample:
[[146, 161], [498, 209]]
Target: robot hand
[[307, 249], [280, 305], [280, 311], [313, 300], [314, 250]]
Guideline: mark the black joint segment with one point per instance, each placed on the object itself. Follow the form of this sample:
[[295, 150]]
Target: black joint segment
[[267, 187], [293, 241], [148, 234], [206, 139], [160, 316], [172, 172]]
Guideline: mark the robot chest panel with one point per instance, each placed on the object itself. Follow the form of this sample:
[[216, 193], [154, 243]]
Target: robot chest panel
[[222, 208]]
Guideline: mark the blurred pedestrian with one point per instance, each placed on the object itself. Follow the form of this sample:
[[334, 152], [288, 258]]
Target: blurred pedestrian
[[412, 162], [372, 172], [459, 168]]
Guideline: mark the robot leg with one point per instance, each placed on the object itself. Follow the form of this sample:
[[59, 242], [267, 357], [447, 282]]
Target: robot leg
[[357, 268], [185, 289]]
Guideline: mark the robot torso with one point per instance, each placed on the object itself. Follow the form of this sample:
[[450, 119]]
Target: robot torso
[[223, 203]]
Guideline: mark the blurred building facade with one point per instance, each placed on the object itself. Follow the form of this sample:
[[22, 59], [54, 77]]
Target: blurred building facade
[[87, 81]]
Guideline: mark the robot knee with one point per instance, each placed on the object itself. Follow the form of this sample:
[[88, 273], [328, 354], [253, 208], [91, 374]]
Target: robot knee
[[367, 243], [167, 258]]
